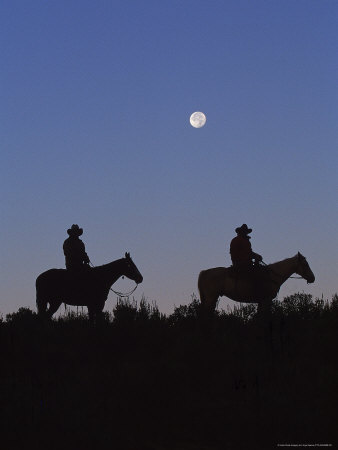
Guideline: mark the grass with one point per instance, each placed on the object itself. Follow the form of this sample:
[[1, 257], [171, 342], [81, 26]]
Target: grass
[[145, 380]]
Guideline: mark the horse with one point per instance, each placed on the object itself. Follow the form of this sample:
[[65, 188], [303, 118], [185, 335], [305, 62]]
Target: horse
[[88, 287], [220, 281]]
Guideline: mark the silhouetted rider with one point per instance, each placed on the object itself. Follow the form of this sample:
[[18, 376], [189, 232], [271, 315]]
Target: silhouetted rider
[[74, 250], [241, 252]]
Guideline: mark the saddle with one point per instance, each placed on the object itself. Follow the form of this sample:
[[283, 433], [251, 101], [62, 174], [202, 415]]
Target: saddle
[[75, 276], [244, 272], [256, 276]]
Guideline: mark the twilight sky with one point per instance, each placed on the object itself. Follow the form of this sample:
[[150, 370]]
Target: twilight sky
[[94, 126]]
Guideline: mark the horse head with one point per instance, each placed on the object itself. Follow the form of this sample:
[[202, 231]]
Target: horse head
[[131, 271], [303, 269]]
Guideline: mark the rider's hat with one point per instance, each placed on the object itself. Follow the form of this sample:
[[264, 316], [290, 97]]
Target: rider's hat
[[75, 230], [243, 229]]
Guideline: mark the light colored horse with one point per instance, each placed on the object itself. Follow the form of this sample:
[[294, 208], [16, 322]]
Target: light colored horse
[[88, 288], [221, 281]]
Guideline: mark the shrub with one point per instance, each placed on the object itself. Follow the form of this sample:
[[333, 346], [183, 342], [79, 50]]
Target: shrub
[[298, 304], [186, 313], [244, 312], [23, 315], [125, 311]]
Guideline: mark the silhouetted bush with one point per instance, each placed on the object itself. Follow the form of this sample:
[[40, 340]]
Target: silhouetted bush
[[186, 315], [140, 379], [22, 316], [125, 311], [244, 312]]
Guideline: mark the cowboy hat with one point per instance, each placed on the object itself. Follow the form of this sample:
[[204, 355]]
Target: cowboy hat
[[243, 229], [75, 230]]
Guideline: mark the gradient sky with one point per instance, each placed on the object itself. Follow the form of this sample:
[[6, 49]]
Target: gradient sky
[[95, 104]]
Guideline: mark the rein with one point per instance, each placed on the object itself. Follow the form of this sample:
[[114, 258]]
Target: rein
[[297, 278], [120, 294]]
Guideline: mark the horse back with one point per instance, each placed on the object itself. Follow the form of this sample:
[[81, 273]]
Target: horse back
[[208, 278], [51, 280], [62, 281], [50, 275]]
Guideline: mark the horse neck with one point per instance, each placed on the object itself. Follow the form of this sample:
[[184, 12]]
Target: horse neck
[[111, 272], [284, 269]]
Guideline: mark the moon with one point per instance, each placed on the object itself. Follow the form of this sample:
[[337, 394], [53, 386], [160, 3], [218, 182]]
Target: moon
[[198, 119]]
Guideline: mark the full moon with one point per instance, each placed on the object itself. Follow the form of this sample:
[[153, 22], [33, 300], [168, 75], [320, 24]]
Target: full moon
[[197, 119]]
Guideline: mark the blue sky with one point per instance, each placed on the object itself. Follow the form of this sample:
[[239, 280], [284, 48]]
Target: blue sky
[[94, 123]]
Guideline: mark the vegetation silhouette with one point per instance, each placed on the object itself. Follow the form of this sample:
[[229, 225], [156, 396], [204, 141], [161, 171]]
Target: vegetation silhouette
[[85, 287], [145, 380]]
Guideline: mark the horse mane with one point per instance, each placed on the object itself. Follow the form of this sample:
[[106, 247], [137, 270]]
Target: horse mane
[[107, 266], [284, 260]]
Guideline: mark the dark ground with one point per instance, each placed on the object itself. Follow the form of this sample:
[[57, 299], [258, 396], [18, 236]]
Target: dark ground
[[142, 380]]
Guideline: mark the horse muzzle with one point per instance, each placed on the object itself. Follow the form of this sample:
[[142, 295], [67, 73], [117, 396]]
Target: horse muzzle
[[311, 280]]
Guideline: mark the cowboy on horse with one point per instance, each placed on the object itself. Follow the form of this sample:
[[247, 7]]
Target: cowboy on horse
[[74, 250], [247, 281], [242, 256]]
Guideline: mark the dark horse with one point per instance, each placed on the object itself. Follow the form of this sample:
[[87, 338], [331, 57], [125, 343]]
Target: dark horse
[[88, 288]]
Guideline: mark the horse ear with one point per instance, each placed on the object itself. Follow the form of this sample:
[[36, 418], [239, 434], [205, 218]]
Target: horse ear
[[127, 255]]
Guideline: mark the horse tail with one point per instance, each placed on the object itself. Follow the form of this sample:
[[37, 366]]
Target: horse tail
[[202, 284], [41, 302], [41, 305], [209, 289], [205, 313], [200, 288]]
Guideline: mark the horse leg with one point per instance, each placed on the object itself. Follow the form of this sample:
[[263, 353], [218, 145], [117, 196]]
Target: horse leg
[[207, 310], [41, 305], [264, 316], [95, 313], [264, 308], [53, 307], [91, 315]]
